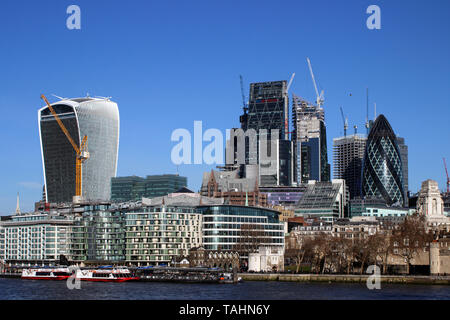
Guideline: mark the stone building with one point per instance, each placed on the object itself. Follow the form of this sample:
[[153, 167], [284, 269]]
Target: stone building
[[440, 257], [266, 259], [431, 205], [233, 189], [199, 257]]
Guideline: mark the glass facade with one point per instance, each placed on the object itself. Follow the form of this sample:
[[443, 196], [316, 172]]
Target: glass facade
[[223, 226], [382, 168], [99, 120], [98, 235], [135, 188], [58, 154]]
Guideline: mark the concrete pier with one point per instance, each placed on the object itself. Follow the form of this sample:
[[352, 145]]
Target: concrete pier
[[344, 278]]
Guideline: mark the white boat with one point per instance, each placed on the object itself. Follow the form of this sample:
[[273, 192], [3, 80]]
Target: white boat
[[118, 274], [46, 273]]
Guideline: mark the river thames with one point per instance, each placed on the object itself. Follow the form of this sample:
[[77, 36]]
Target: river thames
[[18, 289]]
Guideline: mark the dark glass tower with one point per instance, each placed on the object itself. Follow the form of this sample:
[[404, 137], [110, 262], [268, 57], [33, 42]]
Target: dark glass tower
[[382, 167], [267, 107], [268, 110]]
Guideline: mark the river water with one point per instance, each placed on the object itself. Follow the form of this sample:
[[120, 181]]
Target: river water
[[18, 289]]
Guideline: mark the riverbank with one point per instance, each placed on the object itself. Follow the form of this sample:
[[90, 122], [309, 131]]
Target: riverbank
[[344, 278]]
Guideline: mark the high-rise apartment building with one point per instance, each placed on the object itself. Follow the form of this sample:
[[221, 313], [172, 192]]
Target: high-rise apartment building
[[98, 119], [309, 142], [348, 154]]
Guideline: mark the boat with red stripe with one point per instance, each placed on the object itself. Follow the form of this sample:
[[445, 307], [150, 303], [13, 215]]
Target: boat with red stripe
[[46, 273], [106, 274]]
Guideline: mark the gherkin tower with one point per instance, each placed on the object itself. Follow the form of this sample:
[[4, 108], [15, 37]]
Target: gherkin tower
[[382, 175]]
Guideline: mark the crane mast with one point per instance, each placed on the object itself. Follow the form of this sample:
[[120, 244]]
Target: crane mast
[[345, 120], [319, 98], [81, 152], [448, 179]]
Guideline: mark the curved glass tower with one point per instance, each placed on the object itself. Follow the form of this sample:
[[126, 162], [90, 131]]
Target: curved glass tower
[[99, 120], [382, 167]]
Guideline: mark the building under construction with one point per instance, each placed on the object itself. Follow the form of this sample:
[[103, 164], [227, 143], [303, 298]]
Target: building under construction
[[267, 111], [310, 142]]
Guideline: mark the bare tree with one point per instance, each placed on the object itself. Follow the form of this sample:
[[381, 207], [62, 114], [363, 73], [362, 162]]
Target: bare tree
[[409, 238], [251, 236], [297, 251]]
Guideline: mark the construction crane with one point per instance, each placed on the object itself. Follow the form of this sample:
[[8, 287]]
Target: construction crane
[[286, 116], [81, 152], [345, 120], [448, 179], [319, 98], [244, 103]]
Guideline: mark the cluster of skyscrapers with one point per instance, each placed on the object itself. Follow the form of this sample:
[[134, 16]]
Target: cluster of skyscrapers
[[279, 174]]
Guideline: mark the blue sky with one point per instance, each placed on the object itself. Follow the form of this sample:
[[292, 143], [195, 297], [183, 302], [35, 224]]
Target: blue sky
[[169, 63]]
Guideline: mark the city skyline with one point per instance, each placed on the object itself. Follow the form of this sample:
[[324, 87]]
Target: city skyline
[[160, 88]]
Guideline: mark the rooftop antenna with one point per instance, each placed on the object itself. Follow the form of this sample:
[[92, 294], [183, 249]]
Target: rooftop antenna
[[375, 111], [356, 129]]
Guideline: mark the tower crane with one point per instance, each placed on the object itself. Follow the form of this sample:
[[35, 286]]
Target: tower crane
[[319, 98], [244, 104], [448, 179], [81, 152], [345, 120], [286, 115]]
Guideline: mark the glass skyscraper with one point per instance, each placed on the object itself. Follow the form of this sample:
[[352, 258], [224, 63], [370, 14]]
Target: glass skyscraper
[[382, 175], [267, 111], [96, 118]]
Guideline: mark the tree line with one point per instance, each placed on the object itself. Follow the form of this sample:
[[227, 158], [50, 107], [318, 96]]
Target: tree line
[[332, 253]]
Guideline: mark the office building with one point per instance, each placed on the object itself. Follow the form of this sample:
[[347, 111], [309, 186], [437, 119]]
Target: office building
[[229, 228], [348, 154], [283, 196], [135, 188], [98, 119], [266, 122], [382, 165], [323, 200], [404, 156], [431, 205], [268, 107], [309, 142]]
